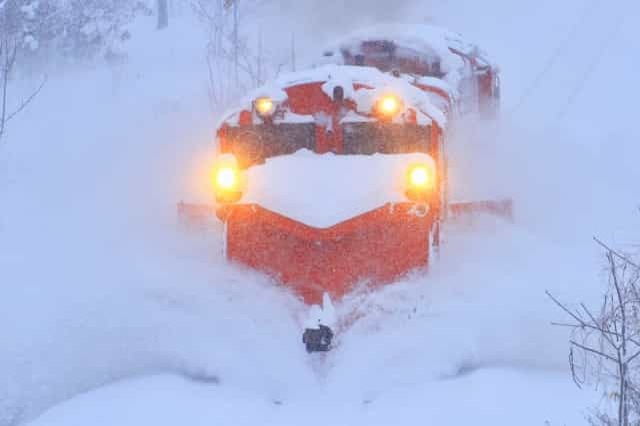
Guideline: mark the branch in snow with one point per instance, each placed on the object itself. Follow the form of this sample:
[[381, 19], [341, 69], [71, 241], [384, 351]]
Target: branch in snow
[[608, 340], [8, 54], [27, 101], [617, 254]]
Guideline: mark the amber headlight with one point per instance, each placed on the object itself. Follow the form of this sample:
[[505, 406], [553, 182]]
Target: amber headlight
[[420, 182], [264, 106], [388, 106], [227, 180]]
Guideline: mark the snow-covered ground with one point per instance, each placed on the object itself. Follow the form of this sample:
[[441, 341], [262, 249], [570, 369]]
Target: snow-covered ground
[[111, 314]]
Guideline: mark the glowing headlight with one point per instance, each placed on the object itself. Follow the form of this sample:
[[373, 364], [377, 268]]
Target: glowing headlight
[[264, 106], [388, 106], [227, 178], [227, 182], [420, 182], [419, 177]]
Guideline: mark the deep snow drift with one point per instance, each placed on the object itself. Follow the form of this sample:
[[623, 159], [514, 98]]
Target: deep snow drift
[[98, 283]]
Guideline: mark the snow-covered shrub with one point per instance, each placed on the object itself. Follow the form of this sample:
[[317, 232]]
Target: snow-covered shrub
[[605, 343], [33, 32], [73, 29], [92, 28], [23, 22]]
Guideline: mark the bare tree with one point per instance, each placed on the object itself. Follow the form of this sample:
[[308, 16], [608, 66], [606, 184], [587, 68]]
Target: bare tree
[[236, 61], [605, 344], [7, 60], [163, 14], [212, 14], [9, 47]]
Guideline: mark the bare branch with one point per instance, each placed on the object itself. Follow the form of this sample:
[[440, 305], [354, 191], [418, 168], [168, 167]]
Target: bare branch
[[8, 55], [593, 351], [594, 328], [28, 100], [572, 365], [564, 308], [605, 333], [7, 61], [617, 254], [632, 357]]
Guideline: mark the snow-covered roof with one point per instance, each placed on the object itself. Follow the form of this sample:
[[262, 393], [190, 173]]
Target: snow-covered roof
[[346, 76], [421, 37], [430, 42]]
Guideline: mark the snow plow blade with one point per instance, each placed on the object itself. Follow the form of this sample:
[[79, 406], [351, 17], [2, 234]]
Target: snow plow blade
[[376, 247], [500, 208]]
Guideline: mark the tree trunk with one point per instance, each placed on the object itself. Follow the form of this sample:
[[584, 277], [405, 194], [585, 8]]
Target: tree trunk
[[163, 14]]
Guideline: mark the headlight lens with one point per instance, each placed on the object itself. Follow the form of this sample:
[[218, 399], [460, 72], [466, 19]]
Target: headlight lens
[[388, 106], [227, 178], [227, 182], [419, 177], [420, 182], [264, 106]]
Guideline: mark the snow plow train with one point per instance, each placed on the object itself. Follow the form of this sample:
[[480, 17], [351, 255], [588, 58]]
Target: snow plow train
[[362, 142]]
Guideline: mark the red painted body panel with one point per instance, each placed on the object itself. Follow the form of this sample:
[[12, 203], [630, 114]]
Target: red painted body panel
[[376, 247], [308, 99]]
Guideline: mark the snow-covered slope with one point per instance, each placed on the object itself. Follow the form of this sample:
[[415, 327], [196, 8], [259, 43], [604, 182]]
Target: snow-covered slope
[[98, 286]]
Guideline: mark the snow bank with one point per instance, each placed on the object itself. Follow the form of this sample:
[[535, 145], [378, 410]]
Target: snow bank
[[162, 400]]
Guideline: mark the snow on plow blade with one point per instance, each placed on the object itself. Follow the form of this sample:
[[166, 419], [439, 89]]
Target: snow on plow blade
[[376, 247], [501, 208]]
